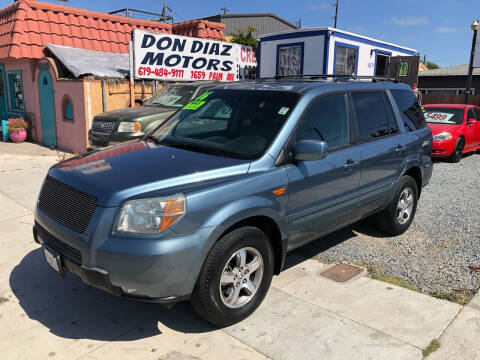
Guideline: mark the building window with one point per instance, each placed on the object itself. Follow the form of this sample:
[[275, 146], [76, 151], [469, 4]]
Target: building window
[[16, 90], [346, 59], [290, 59], [67, 108]]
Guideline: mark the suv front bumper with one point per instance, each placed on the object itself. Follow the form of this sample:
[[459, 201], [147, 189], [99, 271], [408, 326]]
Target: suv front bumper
[[162, 269], [98, 140]]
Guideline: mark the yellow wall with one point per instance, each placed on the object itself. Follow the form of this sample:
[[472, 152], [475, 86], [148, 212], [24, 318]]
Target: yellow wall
[[117, 95]]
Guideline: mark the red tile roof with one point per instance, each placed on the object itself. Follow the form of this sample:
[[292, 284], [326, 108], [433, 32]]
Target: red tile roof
[[27, 26], [200, 28]]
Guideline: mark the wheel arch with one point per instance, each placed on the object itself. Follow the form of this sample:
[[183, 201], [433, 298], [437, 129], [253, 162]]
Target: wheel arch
[[416, 173], [272, 230]]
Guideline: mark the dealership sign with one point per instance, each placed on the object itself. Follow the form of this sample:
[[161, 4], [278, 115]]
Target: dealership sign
[[172, 57]]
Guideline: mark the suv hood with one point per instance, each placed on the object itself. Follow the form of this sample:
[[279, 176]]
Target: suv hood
[[134, 113], [144, 169]]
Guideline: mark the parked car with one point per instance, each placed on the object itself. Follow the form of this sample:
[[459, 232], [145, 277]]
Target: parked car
[[455, 129], [207, 206], [131, 123]]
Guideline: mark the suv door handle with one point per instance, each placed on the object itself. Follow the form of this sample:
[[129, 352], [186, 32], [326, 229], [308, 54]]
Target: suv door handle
[[351, 164], [400, 148]]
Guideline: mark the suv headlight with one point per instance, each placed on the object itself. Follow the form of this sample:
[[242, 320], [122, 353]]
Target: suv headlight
[[127, 126], [150, 216], [443, 136]]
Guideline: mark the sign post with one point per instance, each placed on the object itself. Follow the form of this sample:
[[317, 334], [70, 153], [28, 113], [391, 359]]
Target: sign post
[[132, 76]]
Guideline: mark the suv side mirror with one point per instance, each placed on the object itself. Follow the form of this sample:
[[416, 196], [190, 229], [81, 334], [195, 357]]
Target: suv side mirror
[[309, 150], [471, 121]]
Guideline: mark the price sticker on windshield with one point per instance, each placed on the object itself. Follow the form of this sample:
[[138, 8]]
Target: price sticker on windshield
[[193, 105], [435, 116]]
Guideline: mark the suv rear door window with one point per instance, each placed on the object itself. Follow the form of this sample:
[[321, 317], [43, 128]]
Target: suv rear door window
[[412, 115], [371, 115], [327, 120]]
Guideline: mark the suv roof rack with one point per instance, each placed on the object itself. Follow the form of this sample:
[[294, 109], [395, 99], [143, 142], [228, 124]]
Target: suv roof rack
[[330, 76]]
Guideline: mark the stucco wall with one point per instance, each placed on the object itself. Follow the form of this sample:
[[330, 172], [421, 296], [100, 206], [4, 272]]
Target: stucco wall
[[30, 89], [71, 135], [117, 95]]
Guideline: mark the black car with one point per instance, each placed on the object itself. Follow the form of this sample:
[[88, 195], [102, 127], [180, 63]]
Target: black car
[[132, 123]]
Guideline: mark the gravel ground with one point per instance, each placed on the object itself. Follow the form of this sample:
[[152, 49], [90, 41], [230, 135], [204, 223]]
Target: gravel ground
[[436, 253]]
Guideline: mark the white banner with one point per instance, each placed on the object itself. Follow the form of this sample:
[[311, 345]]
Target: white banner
[[173, 57], [476, 57]]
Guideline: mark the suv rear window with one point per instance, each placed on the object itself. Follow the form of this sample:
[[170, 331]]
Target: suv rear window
[[412, 115]]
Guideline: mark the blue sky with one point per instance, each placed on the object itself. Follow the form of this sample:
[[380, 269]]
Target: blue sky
[[438, 28]]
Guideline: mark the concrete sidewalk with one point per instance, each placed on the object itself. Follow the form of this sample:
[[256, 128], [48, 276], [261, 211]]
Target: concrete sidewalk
[[304, 316]]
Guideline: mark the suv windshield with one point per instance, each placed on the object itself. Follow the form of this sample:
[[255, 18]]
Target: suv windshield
[[231, 123], [443, 115], [174, 96]]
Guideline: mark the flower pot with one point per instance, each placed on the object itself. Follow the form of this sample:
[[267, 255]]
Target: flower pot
[[18, 135]]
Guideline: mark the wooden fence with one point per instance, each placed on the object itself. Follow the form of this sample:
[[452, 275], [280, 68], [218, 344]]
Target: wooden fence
[[449, 99]]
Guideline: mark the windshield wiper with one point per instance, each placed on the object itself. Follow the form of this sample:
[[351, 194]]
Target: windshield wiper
[[153, 138], [207, 150]]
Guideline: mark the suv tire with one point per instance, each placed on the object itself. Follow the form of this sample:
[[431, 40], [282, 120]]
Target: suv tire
[[235, 277], [399, 214]]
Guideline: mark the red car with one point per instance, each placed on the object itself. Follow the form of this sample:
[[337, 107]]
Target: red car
[[455, 129]]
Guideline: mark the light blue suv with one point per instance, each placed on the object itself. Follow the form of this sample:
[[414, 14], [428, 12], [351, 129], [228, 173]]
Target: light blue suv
[[208, 205]]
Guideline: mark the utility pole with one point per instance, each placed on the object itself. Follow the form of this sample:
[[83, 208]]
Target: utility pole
[[225, 10], [475, 26], [299, 23], [164, 17], [336, 14]]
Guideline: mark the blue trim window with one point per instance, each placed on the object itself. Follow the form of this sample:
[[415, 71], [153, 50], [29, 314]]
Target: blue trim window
[[382, 62], [346, 59], [290, 59], [15, 86]]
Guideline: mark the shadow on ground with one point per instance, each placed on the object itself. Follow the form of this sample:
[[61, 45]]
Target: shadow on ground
[[71, 309], [366, 227]]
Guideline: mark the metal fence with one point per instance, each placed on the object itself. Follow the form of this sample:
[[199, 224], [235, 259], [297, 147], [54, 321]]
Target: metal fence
[[450, 99]]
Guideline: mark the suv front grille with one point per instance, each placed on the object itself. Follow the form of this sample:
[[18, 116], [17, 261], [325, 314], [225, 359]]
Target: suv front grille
[[58, 245], [103, 126], [67, 205]]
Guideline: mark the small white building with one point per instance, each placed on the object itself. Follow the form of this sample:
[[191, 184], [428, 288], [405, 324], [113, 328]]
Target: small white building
[[326, 50]]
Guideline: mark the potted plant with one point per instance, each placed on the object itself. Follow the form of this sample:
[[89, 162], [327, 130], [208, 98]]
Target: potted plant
[[17, 129]]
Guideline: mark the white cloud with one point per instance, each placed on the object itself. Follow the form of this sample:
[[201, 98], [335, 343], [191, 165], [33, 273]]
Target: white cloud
[[445, 30], [410, 21], [320, 7]]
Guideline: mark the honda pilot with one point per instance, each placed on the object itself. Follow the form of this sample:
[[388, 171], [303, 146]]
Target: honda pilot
[[207, 206]]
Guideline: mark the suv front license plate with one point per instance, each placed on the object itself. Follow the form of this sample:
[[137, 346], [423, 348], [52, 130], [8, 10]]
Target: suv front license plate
[[54, 260]]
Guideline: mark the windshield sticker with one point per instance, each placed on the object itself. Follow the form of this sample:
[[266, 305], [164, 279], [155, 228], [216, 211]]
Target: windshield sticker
[[440, 117], [204, 95], [194, 105], [169, 100], [283, 110]]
